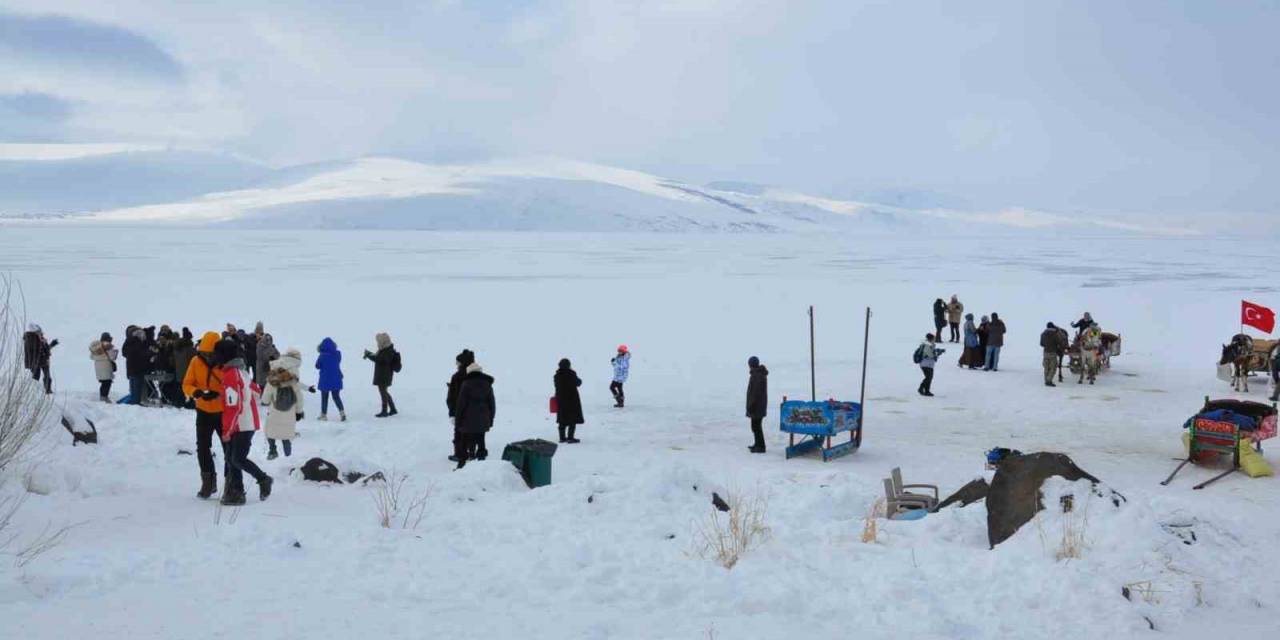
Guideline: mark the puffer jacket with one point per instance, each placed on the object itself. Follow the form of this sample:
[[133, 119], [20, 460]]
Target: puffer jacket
[[758, 392], [929, 353], [476, 405], [201, 376], [329, 363], [955, 311], [621, 367], [284, 371], [103, 355], [240, 400]]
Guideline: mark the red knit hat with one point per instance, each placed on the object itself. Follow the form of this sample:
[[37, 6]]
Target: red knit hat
[[622, 348]]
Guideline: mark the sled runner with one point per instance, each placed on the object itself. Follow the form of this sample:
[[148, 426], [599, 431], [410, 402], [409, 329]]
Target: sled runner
[[817, 423], [1224, 426]]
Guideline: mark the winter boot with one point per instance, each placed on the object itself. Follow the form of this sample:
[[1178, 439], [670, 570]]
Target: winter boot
[[342, 416], [208, 485], [323, 418], [572, 440], [381, 414], [264, 488], [232, 497], [755, 449], [561, 429], [392, 404]]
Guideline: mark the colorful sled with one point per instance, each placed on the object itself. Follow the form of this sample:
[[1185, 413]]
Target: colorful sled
[[817, 423]]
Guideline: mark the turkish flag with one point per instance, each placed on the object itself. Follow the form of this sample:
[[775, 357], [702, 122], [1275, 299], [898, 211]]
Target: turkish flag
[[1257, 316]]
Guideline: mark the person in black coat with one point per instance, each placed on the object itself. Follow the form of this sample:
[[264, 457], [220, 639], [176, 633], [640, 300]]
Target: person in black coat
[[757, 401], [461, 362], [36, 353], [386, 362], [137, 363], [568, 402], [939, 316], [475, 411]]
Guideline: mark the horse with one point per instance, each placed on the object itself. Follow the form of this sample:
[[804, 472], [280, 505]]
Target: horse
[[1090, 359], [1239, 354]]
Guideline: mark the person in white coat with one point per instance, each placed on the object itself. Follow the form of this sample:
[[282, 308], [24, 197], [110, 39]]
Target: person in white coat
[[283, 398], [104, 354]]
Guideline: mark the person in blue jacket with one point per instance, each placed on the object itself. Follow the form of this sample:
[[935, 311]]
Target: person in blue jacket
[[329, 363], [621, 369]]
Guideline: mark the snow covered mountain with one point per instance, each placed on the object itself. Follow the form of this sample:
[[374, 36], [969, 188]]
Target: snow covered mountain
[[543, 194]]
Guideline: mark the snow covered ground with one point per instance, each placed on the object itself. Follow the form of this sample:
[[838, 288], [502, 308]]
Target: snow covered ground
[[609, 550]]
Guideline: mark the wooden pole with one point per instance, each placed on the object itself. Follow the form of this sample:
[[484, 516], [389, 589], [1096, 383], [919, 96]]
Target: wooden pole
[[813, 376], [866, 339]]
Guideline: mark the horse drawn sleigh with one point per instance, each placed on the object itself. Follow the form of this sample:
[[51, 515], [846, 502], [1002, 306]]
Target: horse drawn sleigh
[[1090, 353], [1243, 356]]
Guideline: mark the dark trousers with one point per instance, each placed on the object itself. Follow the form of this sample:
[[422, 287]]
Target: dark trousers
[[324, 400], [955, 332], [208, 425], [104, 388], [288, 446], [465, 444], [938, 326], [43, 368], [388, 404], [757, 430], [137, 390], [926, 386], [238, 462], [615, 388]]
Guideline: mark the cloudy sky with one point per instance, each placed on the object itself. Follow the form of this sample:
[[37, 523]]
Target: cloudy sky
[[1074, 105]]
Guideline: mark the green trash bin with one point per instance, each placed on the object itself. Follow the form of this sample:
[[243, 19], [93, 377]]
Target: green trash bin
[[533, 459]]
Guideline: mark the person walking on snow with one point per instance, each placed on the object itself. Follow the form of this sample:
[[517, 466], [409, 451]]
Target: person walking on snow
[[386, 364], [621, 369], [329, 363], [939, 316], [461, 362], [927, 354], [283, 399], [104, 355], [568, 401], [36, 352], [476, 410], [757, 401], [1053, 342], [995, 342], [239, 422], [955, 313], [264, 353], [203, 383]]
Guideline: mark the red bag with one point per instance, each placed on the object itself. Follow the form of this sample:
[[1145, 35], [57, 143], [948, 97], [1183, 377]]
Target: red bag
[[555, 405]]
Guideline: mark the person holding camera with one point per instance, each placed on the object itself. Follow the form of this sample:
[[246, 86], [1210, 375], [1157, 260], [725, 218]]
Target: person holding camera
[[203, 383], [36, 353], [927, 357], [386, 363]]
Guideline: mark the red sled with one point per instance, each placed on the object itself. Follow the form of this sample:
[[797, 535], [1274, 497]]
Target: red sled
[[555, 405]]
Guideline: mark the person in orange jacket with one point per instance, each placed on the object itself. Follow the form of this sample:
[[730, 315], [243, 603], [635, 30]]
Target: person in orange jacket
[[203, 382]]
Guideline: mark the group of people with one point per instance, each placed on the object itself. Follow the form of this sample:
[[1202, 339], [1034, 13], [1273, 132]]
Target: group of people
[[984, 341]]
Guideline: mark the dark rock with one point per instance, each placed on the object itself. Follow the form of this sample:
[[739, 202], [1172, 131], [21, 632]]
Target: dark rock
[[184, 452], [968, 494], [80, 435], [297, 545], [671, 536], [1013, 498], [320, 470], [591, 499], [719, 502]]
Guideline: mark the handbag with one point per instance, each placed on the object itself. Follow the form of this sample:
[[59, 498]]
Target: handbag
[[554, 405]]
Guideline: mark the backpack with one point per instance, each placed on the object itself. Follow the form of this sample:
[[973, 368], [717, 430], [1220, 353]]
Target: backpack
[[285, 398], [395, 361], [918, 356]]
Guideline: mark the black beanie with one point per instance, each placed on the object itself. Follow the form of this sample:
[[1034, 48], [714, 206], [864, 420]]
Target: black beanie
[[225, 351], [753, 361]]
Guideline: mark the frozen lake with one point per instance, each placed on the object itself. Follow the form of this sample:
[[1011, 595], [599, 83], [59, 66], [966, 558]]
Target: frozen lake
[[492, 559]]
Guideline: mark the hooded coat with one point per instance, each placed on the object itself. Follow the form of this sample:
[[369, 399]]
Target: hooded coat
[[240, 404], [103, 354], [568, 401], [266, 351], [184, 349], [476, 405], [203, 376], [329, 363], [955, 310], [137, 356], [939, 312], [385, 361], [282, 424], [758, 392], [463, 361], [995, 333]]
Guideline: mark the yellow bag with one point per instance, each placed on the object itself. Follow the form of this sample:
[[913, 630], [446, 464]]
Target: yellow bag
[[1252, 462]]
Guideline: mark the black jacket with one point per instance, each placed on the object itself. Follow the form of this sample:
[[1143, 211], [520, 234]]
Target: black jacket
[[569, 403], [939, 313], [384, 365], [455, 385], [35, 351], [476, 405], [758, 392], [137, 357]]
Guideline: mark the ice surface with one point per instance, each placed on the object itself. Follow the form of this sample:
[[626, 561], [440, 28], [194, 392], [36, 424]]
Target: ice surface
[[495, 560]]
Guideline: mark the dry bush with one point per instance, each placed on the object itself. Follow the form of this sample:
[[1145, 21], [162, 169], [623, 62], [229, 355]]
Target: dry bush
[[869, 522], [725, 536], [1073, 518], [398, 509]]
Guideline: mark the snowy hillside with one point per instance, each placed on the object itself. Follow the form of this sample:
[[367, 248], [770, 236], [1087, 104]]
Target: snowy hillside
[[543, 194]]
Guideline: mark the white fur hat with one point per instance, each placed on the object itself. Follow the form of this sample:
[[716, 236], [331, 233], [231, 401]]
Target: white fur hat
[[475, 367]]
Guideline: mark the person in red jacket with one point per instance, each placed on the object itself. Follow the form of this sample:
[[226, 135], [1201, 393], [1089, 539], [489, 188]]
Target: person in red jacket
[[240, 420]]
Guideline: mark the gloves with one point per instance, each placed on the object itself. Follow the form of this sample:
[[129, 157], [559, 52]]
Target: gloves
[[53, 344], [312, 388], [298, 416]]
